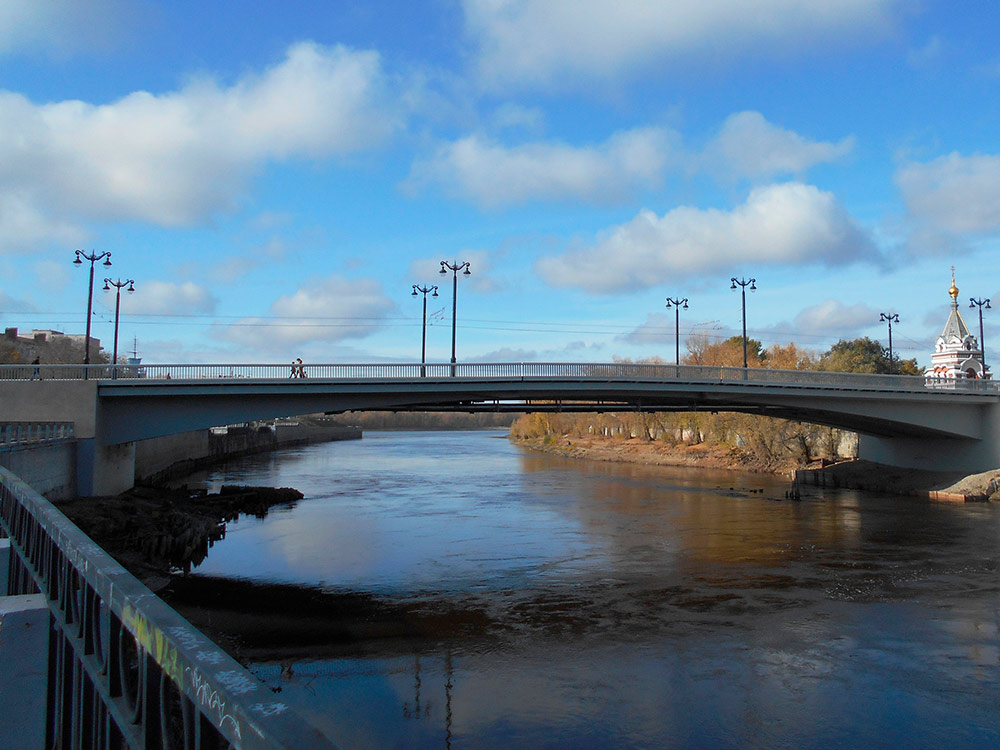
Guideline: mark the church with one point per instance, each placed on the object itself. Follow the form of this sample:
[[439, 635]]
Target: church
[[957, 353]]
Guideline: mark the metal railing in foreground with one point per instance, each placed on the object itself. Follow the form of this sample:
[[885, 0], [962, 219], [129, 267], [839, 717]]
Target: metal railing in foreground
[[504, 371], [125, 670]]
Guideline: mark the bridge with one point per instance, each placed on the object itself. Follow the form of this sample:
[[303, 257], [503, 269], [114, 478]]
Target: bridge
[[903, 420]]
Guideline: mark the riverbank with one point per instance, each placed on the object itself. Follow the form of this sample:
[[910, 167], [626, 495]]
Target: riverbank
[[847, 474], [657, 453], [156, 532]]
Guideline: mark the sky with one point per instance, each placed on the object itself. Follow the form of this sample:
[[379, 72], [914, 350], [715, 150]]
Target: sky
[[275, 177]]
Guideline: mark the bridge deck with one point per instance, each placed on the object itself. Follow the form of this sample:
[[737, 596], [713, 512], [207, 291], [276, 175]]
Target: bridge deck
[[138, 403]]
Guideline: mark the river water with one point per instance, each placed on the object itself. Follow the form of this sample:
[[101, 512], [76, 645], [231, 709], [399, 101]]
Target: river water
[[625, 606]]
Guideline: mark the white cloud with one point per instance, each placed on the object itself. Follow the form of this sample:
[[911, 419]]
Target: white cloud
[[990, 69], [750, 146], [167, 298], [510, 115], [956, 193], [53, 275], [507, 354], [61, 27], [23, 226], [658, 329], [177, 158], [329, 310], [833, 317], [927, 56], [574, 351], [538, 43], [482, 277], [787, 224], [10, 304], [493, 175]]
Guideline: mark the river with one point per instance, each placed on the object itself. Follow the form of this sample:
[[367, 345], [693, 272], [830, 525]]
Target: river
[[616, 605]]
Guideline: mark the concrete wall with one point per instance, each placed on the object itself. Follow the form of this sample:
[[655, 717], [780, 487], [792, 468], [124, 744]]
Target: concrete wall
[[58, 469], [50, 468], [52, 401], [171, 456], [156, 455]]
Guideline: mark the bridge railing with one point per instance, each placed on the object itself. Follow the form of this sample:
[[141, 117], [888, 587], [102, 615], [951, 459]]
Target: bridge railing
[[125, 670], [500, 371], [13, 433]]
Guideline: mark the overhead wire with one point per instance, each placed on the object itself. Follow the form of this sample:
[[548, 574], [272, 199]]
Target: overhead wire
[[500, 325]]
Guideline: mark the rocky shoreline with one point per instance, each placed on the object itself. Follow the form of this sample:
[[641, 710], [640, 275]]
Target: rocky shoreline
[[155, 532], [848, 473]]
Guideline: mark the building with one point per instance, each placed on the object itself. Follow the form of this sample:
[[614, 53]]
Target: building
[[957, 353], [52, 347]]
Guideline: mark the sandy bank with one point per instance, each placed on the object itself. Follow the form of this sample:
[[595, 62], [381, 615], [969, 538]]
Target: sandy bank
[[657, 454]]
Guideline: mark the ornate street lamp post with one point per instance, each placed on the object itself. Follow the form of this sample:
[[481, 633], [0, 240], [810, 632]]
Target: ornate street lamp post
[[677, 328], [454, 268], [118, 301], [743, 284], [423, 338], [93, 258], [889, 318], [981, 303]]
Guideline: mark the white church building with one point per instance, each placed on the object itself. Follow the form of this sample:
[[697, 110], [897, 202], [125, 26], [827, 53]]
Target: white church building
[[957, 352]]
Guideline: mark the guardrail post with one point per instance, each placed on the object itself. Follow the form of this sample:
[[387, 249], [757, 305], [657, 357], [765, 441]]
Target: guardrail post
[[24, 668], [5, 558]]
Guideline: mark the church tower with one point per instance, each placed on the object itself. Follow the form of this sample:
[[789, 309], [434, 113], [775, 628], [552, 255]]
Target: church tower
[[956, 352]]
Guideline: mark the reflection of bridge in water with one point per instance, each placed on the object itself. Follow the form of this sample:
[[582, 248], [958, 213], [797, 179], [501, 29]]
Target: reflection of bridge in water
[[903, 420]]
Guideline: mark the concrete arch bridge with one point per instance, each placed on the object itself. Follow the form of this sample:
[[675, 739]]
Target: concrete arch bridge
[[903, 420]]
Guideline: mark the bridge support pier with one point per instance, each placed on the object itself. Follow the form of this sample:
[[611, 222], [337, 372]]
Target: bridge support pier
[[104, 469], [939, 454]]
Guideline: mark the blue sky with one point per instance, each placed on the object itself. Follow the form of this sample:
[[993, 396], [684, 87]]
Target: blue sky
[[276, 176]]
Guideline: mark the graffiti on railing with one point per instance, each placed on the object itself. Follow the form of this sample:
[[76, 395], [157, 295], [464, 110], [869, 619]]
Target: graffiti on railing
[[156, 642]]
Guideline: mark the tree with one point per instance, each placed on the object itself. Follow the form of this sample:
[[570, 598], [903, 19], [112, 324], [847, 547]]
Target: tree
[[790, 357], [865, 355], [729, 353]]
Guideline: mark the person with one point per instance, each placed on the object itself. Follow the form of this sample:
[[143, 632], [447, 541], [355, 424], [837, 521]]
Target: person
[[302, 371], [36, 375], [297, 370]]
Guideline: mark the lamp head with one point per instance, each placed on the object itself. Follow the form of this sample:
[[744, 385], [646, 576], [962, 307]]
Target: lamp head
[[435, 292], [685, 304], [131, 288], [753, 285], [466, 271], [734, 284], [107, 262], [442, 267], [77, 262], [106, 287], [414, 291]]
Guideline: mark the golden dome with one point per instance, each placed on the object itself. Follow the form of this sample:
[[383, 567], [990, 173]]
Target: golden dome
[[953, 290]]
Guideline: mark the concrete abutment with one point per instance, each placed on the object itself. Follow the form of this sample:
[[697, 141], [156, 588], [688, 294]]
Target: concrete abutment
[[939, 454]]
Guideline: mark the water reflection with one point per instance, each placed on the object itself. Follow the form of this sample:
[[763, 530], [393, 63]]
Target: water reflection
[[625, 606]]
